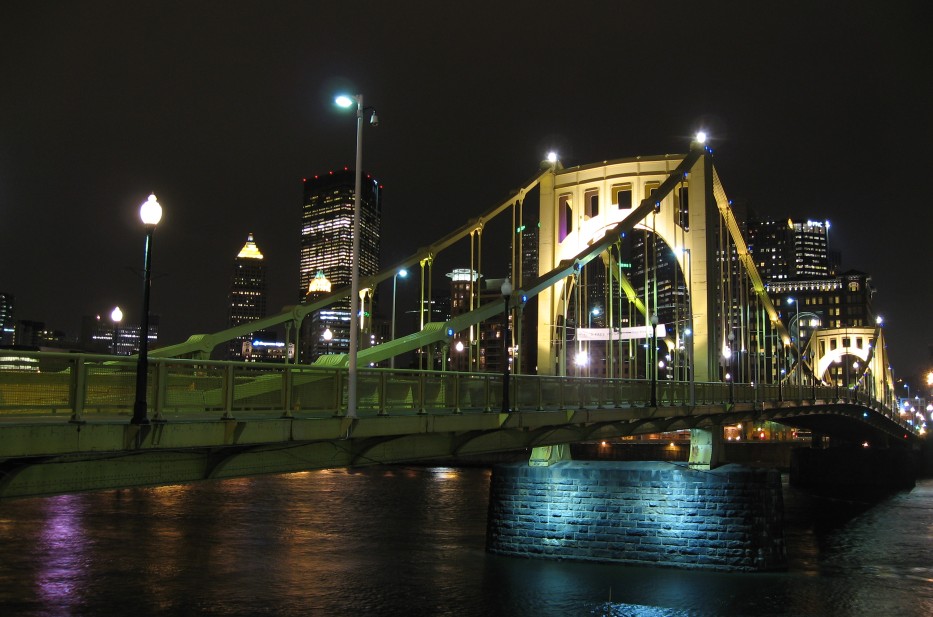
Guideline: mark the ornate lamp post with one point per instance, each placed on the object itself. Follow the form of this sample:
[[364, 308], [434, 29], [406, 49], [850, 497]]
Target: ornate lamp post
[[327, 336], [116, 316], [506, 295], [150, 213]]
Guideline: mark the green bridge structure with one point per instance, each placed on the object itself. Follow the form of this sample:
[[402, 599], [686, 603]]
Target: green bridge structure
[[65, 418]]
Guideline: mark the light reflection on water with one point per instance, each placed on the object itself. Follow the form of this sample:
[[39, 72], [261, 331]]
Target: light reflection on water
[[410, 541]]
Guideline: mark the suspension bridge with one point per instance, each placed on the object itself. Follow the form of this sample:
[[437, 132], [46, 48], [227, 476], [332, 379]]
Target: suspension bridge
[[717, 353]]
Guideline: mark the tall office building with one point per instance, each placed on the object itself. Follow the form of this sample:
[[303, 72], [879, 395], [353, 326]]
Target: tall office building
[[7, 320], [326, 241], [247, 295], [790, 250]]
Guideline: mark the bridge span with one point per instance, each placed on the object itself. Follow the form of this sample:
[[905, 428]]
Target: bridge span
[[64, 427], [727, 354]]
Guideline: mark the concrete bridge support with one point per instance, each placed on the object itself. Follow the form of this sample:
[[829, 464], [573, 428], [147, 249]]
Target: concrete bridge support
[[706, 448], [641, 513]]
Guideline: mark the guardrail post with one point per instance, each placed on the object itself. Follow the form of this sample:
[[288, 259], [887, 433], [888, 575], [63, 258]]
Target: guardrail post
[[456, 377], [488, 400], [338, 393], [158, 391], [78, 389], [287, 381], [228, 392], [422, 393], [382, 395]]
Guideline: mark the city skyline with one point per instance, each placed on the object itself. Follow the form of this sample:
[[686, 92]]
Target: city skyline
[[813, 113]]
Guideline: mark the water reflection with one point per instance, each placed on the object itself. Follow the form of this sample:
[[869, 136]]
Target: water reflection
[[410, 540]]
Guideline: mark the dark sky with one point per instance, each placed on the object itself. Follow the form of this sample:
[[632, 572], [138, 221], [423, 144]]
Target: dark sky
[[816, 110]]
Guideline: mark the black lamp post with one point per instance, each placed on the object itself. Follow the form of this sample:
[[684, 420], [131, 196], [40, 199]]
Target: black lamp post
[[506, 295], [653, 359], [732, 367], [151, 214]]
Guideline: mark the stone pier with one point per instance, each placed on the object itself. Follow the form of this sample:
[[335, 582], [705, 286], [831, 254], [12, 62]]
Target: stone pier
[[641, 513]]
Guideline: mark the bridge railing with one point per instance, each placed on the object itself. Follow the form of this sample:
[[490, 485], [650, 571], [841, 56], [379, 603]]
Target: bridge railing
[[81, 386]]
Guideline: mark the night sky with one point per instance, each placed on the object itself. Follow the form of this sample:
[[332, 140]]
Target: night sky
[[816, 110]]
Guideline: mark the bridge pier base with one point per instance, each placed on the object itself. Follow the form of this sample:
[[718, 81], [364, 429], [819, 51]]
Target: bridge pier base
[[641, 513], [545, 456]]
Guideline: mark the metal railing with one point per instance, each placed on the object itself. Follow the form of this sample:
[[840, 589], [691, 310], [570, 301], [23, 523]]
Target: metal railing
[[76, 387]]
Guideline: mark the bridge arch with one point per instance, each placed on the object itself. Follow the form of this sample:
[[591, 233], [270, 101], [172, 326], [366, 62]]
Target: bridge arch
[[688, 210]]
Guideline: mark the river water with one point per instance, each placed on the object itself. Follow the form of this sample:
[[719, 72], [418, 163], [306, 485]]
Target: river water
[[410, 541]]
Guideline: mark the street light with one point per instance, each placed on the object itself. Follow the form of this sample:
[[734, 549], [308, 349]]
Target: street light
[[653, 356], [688, 331], [346, 102], [730, 356], [116, 316], [327, 336], [150, 213], [404, 274], [506, 295], [797, 319]]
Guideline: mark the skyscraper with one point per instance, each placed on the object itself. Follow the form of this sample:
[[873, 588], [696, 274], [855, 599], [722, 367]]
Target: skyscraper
[[247, 293], [790, 250], [7, 321], [326, 241]]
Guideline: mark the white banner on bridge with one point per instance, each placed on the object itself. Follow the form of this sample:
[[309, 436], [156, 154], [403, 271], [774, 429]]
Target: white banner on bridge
[[619, 334]]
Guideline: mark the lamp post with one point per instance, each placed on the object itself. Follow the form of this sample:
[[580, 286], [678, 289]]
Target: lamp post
[[506, 295], [150, 213], [594, 312], [730, 358], [327, 336], [346, 102], [116, 316], [653, 355], [797, 319], [401, 273], [688, 331]]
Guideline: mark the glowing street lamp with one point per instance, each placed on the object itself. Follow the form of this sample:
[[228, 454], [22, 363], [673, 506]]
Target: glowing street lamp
[[327, 336], [346, 101], [797, 319], [653, 355], [404, 274], [150, 213], [116, 316], [506, 290]]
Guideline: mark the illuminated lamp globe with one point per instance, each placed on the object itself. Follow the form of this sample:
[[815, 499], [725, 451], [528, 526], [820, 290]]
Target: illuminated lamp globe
[[116, 314], [700, 137], [150, 212], [344, 101]]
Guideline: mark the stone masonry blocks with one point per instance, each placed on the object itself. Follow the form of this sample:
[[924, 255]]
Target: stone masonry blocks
[[642, 513]]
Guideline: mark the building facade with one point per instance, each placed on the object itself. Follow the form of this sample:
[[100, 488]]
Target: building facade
[[790, 250], [326, 247], [7, 319], [247, 299]]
